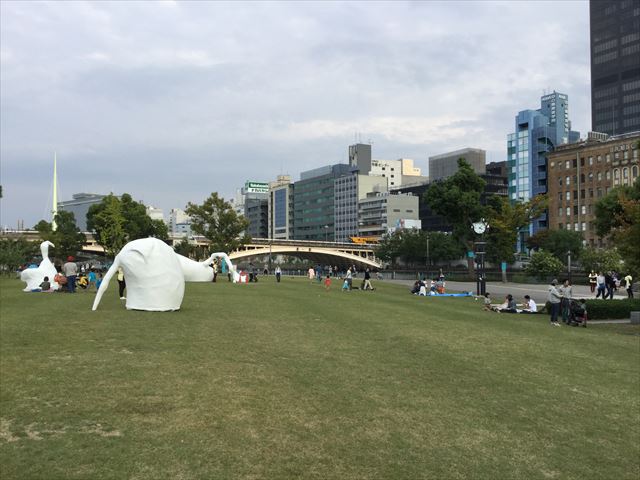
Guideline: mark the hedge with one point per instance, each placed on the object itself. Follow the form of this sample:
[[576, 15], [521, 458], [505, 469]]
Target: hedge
[[612, 309]]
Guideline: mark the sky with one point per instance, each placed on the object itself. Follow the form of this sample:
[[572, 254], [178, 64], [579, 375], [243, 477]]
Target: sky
[[170, 101]]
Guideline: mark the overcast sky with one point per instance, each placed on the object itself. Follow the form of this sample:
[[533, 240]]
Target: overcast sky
[[171, 101]]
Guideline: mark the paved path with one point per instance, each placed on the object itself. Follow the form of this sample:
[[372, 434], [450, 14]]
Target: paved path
[[499, 290]]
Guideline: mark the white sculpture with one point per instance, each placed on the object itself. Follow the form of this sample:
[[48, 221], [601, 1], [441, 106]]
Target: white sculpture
[[201, 271], [155, 274], [35, 276]]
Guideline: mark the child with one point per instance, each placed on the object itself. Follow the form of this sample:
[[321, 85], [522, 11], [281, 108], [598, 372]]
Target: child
[[92, 279], [487, 302], [99, 282], [345, 285], [46, 285], [327, 283]]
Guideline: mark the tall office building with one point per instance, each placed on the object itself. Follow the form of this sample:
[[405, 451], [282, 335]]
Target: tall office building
[[446, 164], [348, 191], [281, 208], [615, 66], [313, 203], [79, 206], [537, 132]]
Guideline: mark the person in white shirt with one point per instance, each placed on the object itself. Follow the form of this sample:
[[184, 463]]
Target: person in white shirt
[[529, 305]]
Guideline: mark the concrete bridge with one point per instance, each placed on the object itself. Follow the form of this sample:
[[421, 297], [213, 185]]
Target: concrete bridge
[[323, 253]]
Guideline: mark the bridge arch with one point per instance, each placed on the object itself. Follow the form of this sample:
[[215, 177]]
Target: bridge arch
[[320, 255]]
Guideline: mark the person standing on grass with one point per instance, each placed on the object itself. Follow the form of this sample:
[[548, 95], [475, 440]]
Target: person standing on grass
[[278, 274], [70, 270], [554, 297], [601, 285], [593, 281], [92, 279], [610, 285], [311, 273], [628, 284], [121, 283], [567, 292], [327, 282], [349, 278], [367, 280]]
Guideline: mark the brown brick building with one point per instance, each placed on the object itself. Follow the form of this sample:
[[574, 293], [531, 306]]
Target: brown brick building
[[579, 174]]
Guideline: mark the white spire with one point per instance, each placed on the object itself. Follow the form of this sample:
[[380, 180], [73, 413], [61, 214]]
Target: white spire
[[54, 211]]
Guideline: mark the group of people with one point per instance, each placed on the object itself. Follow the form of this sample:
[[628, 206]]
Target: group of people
[[436, 286], [70, 278], [510, 306], [559, 302], [605, 284]]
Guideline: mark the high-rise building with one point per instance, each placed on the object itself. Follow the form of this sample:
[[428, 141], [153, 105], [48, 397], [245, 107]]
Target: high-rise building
[[360, 157], [79, 206], [379, 213], [313, 203], [281, 208], [446, 164], [537, 132], [582, 173], [615, 66], [349, 189]]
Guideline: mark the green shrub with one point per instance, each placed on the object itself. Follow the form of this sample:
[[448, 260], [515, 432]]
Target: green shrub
[[612, 309]]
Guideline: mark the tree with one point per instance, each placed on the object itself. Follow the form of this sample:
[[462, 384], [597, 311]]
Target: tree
[[388, 248], [618, 216], [559, 242], [457, 199], [218, 222], [15, 253], [505, 220], [443, 247], [600, 260], [544, 264], [67, 238], [117, 221]]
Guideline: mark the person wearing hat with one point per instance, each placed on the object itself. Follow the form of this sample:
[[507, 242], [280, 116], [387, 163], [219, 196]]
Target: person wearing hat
[[70, 270], [554, 297]]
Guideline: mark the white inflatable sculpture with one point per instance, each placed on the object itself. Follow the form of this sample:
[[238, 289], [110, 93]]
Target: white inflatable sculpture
[[155, 275], [35, 276]]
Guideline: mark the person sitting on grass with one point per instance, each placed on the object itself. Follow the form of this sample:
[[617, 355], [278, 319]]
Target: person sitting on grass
[[529, 305], [511, 305], [487, 302]]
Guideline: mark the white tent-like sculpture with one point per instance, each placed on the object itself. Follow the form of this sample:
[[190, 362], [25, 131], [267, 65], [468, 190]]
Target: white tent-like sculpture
[[155, 275], [35, 276]]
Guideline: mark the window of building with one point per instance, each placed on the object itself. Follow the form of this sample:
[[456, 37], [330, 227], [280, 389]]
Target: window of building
[[583, 209], [634, 170], [560, 182], [568, 196], [599, 176], [583, 194], [575, 194], [559, 197], [591, 159], [576, 226], [575, 179], [582, 162], [591, 176], [567, 181], [575, 163], [397, 210], [589, 209], [584, 226], [591, 193], [608, 157], [568, 211], [599, 192], [567, 165], [575, 210], [553, 164], [607, 175], [582, 178], [559, 211], [560, 226]]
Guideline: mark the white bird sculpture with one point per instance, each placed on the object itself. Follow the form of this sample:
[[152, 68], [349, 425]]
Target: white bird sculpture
[[35, 276]]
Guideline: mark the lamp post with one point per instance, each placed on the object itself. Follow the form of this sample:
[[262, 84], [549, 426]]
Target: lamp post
[[569, 264], [480, 250], [428, 262], [326, 232]]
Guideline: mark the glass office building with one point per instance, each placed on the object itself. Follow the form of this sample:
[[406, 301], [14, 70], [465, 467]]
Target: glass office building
[[537, 132], [615, 66]]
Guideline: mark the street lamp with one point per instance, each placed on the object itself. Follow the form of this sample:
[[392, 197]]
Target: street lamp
[[569, 264], [481, 282], [326, 232]]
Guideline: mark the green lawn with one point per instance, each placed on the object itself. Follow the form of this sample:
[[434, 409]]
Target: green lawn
[[281, 381]]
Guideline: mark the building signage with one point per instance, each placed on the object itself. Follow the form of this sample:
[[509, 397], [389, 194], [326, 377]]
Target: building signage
[[256, 187]]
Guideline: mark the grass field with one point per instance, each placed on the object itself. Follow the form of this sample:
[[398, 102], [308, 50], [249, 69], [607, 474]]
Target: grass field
[[281, 381]]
